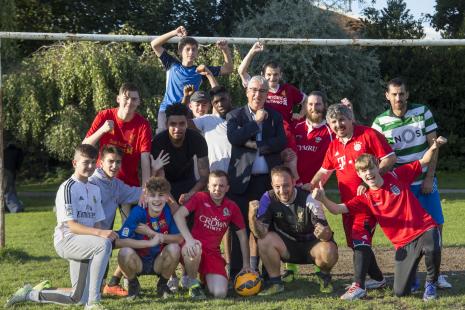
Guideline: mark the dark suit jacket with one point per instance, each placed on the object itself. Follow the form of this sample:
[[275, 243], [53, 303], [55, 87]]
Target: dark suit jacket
[[240, 128]]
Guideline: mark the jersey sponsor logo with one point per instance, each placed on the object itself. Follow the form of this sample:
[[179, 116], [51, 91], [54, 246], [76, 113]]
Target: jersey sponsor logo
[[275, 99], [85, 214], [69, 210], [310, 148], [226, 212], [342, 162], [395, 190], [408, 135], [357, 146], [212, 223], [125, 232]]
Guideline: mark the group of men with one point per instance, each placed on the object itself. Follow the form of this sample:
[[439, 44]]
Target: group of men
[[259, 164]]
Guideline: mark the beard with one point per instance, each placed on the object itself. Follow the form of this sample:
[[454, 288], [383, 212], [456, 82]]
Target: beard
[[316, 116]]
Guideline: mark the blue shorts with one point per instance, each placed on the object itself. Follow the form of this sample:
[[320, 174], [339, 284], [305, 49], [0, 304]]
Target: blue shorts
[[430, 202]]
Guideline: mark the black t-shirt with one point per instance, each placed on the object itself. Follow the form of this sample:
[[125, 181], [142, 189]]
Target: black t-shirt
[[296, 221], [181, 166]]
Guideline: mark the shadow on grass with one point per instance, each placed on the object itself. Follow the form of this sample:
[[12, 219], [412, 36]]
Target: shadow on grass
[[11, 255]]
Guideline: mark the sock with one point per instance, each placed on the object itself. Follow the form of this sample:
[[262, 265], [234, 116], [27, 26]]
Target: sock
[[254, 262], [373, 269], [317, 269], [275, 280], [362, 260], [114, 281]]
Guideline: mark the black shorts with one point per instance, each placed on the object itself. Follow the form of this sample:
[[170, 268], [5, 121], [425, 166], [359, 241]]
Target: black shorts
[[299, 251], [147, 266]]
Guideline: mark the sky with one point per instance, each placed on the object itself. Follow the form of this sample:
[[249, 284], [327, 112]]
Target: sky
[[416, 7]]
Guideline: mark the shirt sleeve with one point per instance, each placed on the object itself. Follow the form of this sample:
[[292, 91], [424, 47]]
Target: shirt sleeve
[[358, 204], [430, 124], [379, 144], [96, 124], [192, 203], [145, 134], [200, 145], [215, 70], [167, 60], [172, 228], [66, 204], [126, 193], [296, 95], [136, 216], [409, 172], [264, 213], [199, 122], [236, 217]]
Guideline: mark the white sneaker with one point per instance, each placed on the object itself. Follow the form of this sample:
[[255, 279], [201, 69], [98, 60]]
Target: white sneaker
[[173, 284], [372, 284], [442, 282], [354, 292]]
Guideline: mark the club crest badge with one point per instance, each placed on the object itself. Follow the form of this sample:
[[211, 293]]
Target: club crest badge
[[395, 190], [357, 146], [318, 139], [125, 232], [155, 225], [279, 215], [226, 212], [300, 215]]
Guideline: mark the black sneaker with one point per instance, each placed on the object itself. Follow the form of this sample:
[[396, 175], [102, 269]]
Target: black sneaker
[[324, 279], [133, 288], [163, 291], [196, 291]]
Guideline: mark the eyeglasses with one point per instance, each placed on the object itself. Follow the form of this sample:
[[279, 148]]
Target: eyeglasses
[[260, 90]]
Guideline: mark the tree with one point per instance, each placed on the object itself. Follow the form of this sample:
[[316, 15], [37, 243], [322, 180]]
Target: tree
[[449, 18], [340, 72], [9, 48]]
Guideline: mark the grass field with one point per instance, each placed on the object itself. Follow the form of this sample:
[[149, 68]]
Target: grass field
[[30, 257]]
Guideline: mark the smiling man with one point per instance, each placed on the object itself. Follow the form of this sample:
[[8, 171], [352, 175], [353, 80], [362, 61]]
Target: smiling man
[[351, 141]]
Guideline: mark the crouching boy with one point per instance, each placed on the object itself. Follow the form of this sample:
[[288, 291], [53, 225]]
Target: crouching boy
[[213, 213], [151, 222], [405, 223]]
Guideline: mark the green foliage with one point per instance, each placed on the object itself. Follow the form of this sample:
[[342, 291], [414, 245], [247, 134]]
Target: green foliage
[[9, 48], [449, 18], [340, 72]]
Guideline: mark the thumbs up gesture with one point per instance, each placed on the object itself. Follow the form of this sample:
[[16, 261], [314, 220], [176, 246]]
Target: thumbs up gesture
[[319, 192]]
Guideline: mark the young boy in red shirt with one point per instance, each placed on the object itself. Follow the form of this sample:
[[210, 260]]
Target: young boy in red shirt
[[213, 213], [412, 231]]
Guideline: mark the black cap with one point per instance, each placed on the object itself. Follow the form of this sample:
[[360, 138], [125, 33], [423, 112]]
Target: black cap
[[200, 96]]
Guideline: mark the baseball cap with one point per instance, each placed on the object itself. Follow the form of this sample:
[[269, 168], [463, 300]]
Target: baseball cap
[[200, 96]]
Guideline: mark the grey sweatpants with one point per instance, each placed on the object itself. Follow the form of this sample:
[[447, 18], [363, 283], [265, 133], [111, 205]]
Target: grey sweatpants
[[88, 256]]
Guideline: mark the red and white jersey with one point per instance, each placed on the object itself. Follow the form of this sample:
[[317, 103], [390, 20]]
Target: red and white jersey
[[133, 137], [212, 221], [284, 99], [398, 211], [311, 145], [341, 157]]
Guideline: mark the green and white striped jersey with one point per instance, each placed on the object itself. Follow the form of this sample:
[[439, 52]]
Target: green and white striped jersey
[[407, 134]]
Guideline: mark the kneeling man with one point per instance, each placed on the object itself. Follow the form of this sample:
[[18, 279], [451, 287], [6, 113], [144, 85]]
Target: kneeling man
[[151, 222], [213, 213], [291, 227]]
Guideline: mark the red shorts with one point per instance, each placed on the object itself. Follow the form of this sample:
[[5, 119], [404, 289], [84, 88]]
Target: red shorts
[[359, 228], [212, 262]]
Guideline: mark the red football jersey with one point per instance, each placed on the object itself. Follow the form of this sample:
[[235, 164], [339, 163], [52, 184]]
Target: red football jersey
[[133, 137], [212, 221], [398, 211], [341, 157], [284, 99], [311, 143]]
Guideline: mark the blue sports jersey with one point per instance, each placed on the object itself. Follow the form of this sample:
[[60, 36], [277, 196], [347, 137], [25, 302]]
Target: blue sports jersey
[[138, 216], [178, 76]]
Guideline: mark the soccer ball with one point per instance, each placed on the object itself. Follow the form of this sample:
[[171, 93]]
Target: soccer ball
[[247, 284]]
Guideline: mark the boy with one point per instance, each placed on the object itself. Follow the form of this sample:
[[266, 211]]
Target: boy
[[115, 192], [78, 237], [405, 223], [213, 213], [182, 73], [160, 259]]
